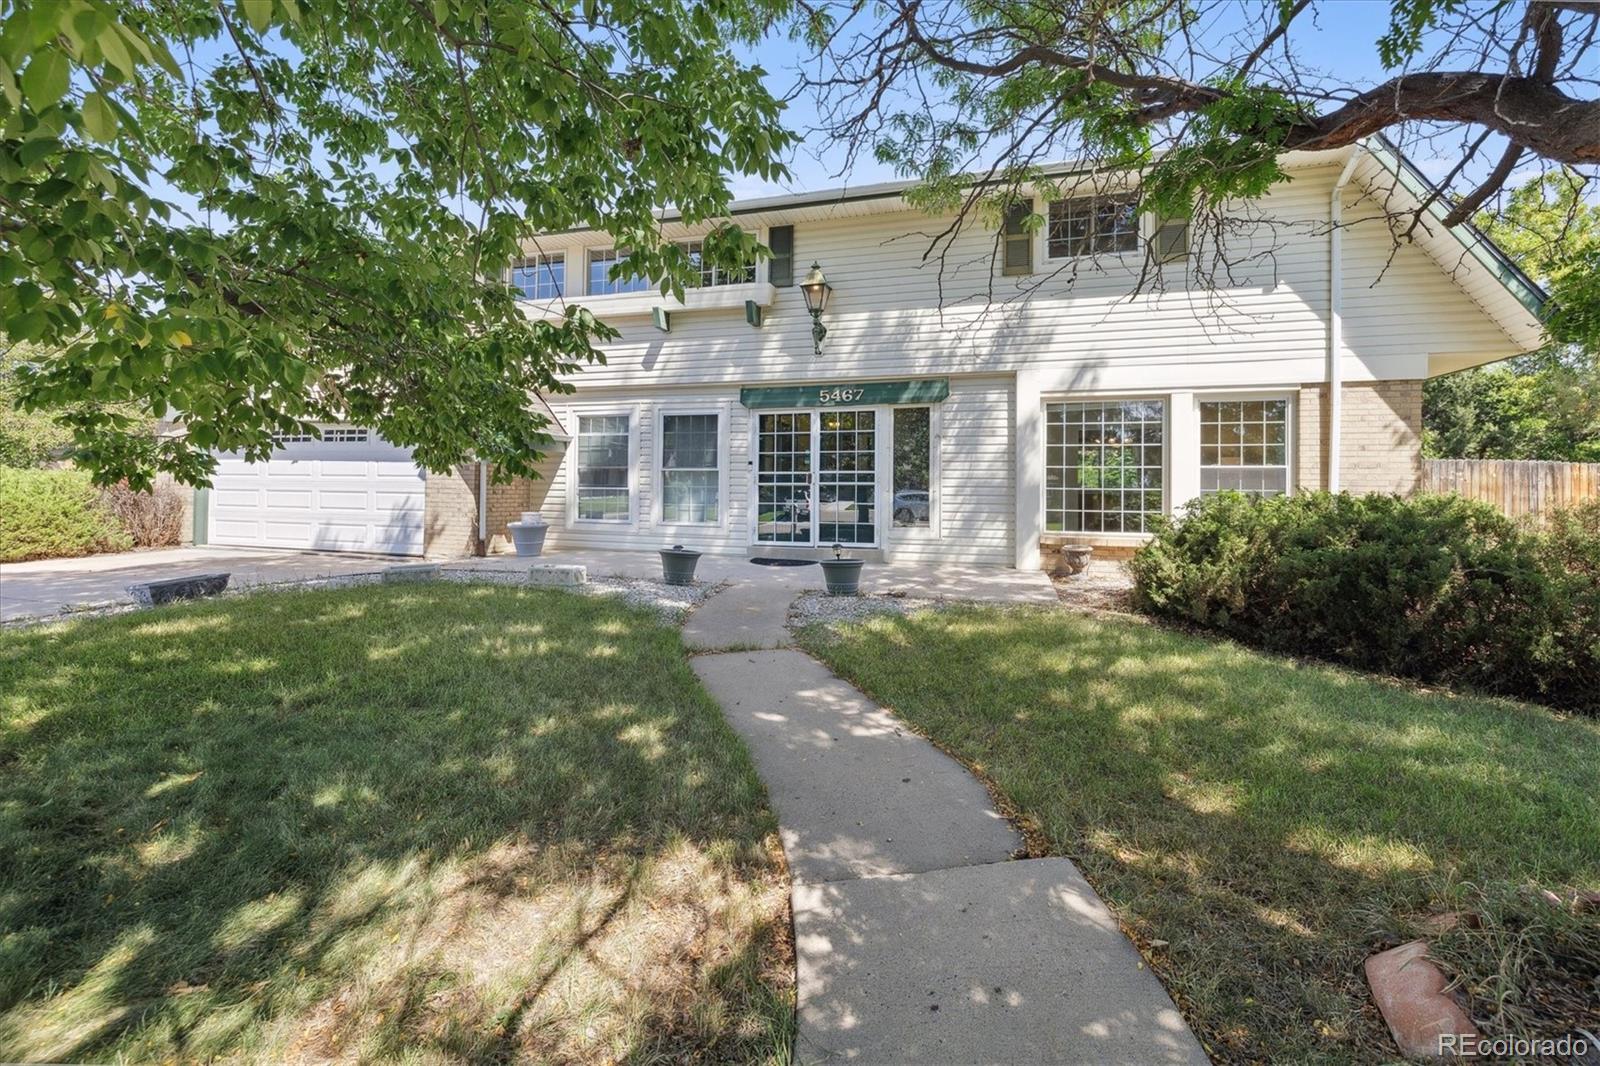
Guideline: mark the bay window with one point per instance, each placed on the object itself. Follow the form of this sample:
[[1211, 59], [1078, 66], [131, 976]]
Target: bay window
[[1105, 465], [604, 492], [1244, 446], [690, 474]]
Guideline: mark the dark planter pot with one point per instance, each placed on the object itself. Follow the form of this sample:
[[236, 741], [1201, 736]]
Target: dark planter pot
[[843, 576], [527, 536], [677, 564]]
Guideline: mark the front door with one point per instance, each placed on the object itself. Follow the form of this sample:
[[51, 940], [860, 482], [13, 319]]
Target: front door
[[816, 478]]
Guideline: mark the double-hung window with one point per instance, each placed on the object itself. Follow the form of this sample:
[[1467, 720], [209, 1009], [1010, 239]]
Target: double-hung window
[[1105, 464], [1091, 225], [601, 283], [1244, 446], [604, 458], [690, 475], [711, 274], [542, 277]]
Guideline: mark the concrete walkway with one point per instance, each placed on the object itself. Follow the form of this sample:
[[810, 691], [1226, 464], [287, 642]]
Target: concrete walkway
[[917, 937]]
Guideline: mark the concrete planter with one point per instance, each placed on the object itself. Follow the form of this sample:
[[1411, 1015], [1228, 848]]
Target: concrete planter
[[677, 565], [843, 576], [1074, 557], [528, 534]]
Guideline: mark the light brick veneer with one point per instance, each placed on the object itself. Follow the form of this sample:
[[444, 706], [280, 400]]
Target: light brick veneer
[[451, 514], [1381, 446]]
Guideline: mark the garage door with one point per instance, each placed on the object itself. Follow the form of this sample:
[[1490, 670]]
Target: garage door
[[350, 491]]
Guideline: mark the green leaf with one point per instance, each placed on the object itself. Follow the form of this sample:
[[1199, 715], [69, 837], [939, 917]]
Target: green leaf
[[46, 78], [259, 12], [99, 118]]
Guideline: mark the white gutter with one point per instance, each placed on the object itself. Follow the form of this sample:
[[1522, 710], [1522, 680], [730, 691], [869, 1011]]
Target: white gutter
[[483, 507], [1336, 313]]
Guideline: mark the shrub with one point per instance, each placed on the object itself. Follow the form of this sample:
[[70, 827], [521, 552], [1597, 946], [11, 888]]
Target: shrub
[[152, 519], [1434, 587], [50, 513]]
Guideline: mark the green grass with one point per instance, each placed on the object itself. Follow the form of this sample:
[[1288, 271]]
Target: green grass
[[1262, 826], [433, 823]]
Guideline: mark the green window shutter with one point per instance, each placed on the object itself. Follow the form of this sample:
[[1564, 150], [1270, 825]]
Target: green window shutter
[[780, 268], [1017, 242]]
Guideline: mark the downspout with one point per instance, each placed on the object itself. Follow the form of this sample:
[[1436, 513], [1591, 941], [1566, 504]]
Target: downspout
[[483, 508], [1336, 313]]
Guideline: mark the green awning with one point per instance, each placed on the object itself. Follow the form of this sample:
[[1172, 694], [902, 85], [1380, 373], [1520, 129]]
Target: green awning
[[848, 394]]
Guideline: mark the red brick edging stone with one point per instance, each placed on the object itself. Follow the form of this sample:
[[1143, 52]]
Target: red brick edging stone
[[1410, 993]]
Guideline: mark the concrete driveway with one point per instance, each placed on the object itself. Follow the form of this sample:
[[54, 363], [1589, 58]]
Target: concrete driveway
[[49, 586]]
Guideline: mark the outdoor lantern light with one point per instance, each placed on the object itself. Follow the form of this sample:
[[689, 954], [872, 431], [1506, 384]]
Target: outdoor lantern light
[[816, 289]]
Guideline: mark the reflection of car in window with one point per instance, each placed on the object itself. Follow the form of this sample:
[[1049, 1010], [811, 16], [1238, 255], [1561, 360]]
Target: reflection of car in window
[[911, 507]]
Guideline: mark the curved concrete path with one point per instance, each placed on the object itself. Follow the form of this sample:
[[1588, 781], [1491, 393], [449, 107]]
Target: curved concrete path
[[918, 939]]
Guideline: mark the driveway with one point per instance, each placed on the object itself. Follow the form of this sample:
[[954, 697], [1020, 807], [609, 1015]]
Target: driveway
[[49, 586]]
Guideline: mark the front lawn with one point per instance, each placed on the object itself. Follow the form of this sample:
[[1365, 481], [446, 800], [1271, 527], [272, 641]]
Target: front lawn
[[432, 822], [1261, 826]]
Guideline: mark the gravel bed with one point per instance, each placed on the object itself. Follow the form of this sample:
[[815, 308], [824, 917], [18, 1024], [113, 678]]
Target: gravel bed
[[815, 607], [672, 601]]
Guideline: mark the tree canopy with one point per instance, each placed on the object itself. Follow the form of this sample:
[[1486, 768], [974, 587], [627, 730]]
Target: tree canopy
[[261, 214], [1545, 405], [1200, 98]]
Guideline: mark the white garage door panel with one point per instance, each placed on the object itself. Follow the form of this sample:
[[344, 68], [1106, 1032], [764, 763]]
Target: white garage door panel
[[350, 491]]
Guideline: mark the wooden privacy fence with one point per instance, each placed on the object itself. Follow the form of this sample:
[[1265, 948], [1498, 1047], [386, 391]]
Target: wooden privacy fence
[[1517, 487]]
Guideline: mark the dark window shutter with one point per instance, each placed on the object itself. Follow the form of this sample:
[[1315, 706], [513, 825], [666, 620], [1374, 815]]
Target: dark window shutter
[[780, 268], [1016, 240]]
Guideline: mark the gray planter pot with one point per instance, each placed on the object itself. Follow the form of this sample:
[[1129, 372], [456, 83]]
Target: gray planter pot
[[527, 535], [677, 564], [843, 576], [1074, 557]]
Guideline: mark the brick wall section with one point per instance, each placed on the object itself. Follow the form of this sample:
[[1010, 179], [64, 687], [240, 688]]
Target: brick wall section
[[451, 514], [1381, 444]]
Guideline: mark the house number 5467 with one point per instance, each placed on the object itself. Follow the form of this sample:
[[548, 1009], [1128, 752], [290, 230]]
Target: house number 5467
[[828, 396]]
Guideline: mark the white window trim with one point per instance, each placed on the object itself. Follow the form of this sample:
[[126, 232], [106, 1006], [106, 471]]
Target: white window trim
[[1290, 438], [934, 530], [631, 412], [1168, 448], [723, 411]]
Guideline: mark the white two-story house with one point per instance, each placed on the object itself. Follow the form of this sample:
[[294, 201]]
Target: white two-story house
[[1018, 391]]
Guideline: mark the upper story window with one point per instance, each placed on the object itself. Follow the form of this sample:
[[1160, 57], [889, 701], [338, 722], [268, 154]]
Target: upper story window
[[714, 275], [1244, 446], [1092, 225], [601, 260], [542, 278]]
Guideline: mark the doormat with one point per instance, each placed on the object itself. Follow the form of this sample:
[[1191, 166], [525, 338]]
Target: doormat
[[768, 561]]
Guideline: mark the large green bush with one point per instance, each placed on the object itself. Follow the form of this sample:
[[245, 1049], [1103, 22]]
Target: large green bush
[[49, 513], [1433, 587]]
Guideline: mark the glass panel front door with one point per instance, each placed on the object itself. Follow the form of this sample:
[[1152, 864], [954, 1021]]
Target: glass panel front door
[[783, 478], [816, 478], [847, 480]]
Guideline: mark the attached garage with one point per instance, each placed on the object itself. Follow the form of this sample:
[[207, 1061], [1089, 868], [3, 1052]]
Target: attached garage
[[350, 491]]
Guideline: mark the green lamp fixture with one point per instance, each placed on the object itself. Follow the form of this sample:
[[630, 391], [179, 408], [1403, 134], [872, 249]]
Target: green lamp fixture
[[815, 287]]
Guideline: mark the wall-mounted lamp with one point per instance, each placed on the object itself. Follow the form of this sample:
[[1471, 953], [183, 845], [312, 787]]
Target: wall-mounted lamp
[[816, 290]]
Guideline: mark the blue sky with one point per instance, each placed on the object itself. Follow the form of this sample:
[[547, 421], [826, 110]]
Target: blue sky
[[1338, 38]]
